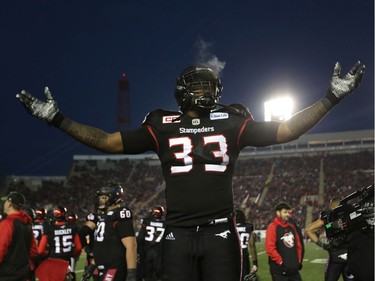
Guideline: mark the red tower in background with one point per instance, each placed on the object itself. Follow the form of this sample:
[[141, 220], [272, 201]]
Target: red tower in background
[[123, 121]]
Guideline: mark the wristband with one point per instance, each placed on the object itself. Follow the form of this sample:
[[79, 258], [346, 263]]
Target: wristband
[[255, 262], [331, 97], [57, 119], [132, 274]]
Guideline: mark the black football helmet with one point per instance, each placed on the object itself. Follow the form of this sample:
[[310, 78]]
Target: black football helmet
[[198, 77], [31, 213], [72, 217], [157, 212], [240, 216], [114, 192], [59, 213], [41, 214]]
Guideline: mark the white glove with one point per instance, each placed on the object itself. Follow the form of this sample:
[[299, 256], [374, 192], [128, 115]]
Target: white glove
[[341, 86], [43, 110]]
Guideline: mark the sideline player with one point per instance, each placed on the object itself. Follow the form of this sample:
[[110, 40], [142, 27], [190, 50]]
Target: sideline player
[[198, 147], [149, 244], [60, 239], [247, 239], [114, 246]]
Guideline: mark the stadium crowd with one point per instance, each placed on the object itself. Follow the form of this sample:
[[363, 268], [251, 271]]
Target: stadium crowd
[[258, 184], [305, 181]]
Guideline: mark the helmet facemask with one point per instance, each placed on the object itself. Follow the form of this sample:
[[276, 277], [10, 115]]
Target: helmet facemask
[[102, 202], [108, 196], [198, 88]]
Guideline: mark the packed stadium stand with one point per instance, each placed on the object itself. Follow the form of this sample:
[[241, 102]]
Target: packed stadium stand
[[305, 173]]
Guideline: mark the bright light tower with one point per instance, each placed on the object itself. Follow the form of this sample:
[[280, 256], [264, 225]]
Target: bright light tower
[[278, 109]]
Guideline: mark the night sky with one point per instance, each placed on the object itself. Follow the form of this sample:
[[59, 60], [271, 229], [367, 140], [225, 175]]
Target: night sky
[[80, 49]]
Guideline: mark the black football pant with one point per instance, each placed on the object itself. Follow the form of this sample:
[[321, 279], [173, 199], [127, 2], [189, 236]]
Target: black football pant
[[152, 264], [245, 263], [202, 253], [334, 270]]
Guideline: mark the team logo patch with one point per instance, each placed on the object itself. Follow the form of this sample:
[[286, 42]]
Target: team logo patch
[[196, 121], [171, 119], [223, 234], [218, 115], [288, 239]]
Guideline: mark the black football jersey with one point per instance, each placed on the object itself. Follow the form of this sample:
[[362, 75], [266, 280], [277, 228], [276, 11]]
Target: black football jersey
[[244, 232], [110, 229], [198, 157], [151, 232], [38, 230], [61, 240]]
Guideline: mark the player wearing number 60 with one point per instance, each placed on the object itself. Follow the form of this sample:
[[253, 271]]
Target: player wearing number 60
[[114, 246], [198, 147]]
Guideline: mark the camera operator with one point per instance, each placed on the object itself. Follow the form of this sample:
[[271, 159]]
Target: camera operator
[[361, 242], [352, 224], [337, 260]]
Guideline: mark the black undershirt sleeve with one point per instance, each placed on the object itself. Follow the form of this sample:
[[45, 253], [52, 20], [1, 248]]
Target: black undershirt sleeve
[[137, 141], [259, 134]]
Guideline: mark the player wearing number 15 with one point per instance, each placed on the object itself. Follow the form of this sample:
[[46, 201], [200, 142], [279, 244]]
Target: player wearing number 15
[[198, 147], [115, 246], [60, 238]]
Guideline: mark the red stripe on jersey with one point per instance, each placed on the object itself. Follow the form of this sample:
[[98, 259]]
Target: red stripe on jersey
[[241, 131], [154, 137]]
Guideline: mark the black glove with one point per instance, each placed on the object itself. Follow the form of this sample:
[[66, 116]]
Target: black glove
[[88, 272], [341, 86], [43, 110], [251, 277], [132, 275], [325, 245]]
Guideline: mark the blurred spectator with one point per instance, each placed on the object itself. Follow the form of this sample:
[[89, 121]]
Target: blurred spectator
[[17, 242]]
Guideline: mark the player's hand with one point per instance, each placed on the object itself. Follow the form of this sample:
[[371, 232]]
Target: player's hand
[[43, 110], [250, 277], [88, 272], [254, 269], [342, 85], [323, 244]]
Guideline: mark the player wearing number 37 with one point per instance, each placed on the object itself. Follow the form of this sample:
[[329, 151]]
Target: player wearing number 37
[[198, 147]]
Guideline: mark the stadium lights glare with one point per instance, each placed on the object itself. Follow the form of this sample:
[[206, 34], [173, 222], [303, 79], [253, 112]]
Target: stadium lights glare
[[278, 109]]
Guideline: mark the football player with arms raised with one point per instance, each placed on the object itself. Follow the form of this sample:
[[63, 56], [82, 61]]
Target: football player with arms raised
[[198, 147]]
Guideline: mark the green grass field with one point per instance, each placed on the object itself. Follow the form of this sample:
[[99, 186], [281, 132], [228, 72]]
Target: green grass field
[[313, 264]]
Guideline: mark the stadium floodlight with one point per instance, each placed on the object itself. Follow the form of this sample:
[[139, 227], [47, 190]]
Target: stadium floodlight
[[278, 109]]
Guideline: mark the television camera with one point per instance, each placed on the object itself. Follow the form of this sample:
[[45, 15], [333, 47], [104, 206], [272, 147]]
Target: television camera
[[355, 212]]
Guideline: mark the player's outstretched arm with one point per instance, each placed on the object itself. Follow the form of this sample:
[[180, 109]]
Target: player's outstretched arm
[[340, 86], [49, 112]]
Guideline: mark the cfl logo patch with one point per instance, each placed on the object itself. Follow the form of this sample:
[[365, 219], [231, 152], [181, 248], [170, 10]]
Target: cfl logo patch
[[171, 119]]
